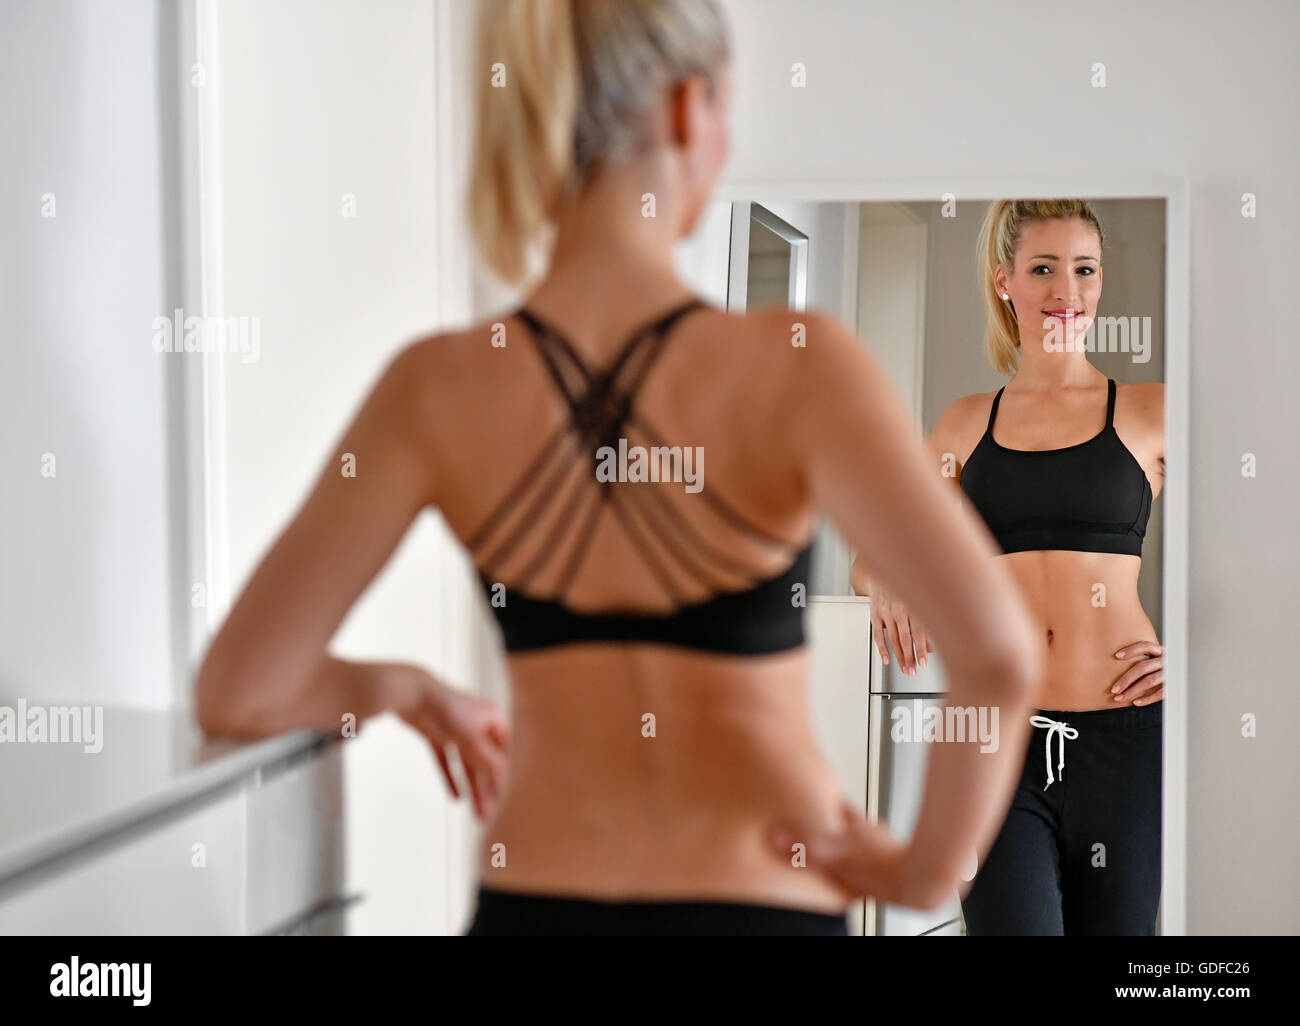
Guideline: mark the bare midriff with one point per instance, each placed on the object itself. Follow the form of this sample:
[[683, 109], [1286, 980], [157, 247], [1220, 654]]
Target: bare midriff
[[1086, 607], [642, 772]]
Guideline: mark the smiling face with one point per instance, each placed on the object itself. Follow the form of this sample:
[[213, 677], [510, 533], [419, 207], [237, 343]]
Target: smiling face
[[1055, 285]]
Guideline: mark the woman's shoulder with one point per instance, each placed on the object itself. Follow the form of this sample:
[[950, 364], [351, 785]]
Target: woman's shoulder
[[1141, 403], [1147, 394], [975, 406], [961, 425], [450, 359], [771, 344], [428, 378], [967, 413]]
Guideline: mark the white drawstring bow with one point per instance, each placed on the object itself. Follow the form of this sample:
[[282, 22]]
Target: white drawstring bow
[[1062, 730]]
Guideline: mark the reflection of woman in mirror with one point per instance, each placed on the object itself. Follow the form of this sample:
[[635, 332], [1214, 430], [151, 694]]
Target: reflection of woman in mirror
[[659, 735], [1063, 465]]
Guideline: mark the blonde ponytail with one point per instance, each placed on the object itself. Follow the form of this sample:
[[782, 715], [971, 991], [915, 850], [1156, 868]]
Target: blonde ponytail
[[563, 85], [999, 238]]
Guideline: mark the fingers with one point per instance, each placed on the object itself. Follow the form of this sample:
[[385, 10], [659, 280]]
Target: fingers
[[491, 800], [475, 775], [1139, 648], [921, 639], [901, 652], [878, 634], [1135, 673], [499, 731], [446, 770], [423, 721], [482, 750], [786, 834], [1153, 682], [818, 849], [852, 857], [909, 639], [906, 656], [891, 632], [481, 774], [485, 762]]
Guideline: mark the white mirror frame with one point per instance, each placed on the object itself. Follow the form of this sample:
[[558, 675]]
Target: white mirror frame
[[738, 271], [1174, 191]]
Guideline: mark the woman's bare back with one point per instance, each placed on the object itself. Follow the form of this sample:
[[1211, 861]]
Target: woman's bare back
[[636, 769], [713, 387]]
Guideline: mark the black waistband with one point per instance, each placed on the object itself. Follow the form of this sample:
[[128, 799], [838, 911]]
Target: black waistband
[[1125, 717], [501, 912]]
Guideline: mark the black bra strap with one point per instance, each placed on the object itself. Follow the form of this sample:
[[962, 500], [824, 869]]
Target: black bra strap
[[602, 406], [723, 509], [993, 410], [1110, 406], [655, 327]]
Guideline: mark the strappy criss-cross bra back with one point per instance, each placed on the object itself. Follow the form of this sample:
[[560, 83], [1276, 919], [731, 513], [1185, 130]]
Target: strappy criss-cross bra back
[[761, 618], [1090, 497]]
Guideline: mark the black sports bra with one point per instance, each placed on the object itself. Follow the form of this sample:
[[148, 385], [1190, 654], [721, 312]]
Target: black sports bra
[[1090, 497], [764, 617]]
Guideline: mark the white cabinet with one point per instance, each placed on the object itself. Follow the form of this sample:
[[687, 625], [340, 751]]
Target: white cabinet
[[261, 853], [295, 843], [839, 636], [182, 877]]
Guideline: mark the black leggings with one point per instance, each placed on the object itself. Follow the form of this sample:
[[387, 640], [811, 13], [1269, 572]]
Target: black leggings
[[505, 913], [1082, 856]]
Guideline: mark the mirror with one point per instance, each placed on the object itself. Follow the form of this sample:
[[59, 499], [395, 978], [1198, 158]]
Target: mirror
[[905, 276], [769, 264]]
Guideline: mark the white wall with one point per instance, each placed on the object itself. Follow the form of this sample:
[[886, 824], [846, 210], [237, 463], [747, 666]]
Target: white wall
[[928, 90], [85, 556], [311, 108]]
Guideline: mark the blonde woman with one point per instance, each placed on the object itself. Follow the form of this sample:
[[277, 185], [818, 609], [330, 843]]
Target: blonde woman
[[1063, 465], [659, 734]]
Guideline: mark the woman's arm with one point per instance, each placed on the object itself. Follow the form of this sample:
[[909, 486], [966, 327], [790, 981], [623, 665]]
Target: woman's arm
[[868, 469], [891, 622], [267, 669], [1144, 682], [859, 576]]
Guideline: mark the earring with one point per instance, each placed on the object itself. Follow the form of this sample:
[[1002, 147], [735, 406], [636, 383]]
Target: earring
[[1005, 296]]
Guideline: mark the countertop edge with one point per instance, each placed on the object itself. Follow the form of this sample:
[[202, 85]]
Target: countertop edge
[[51, 851]]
